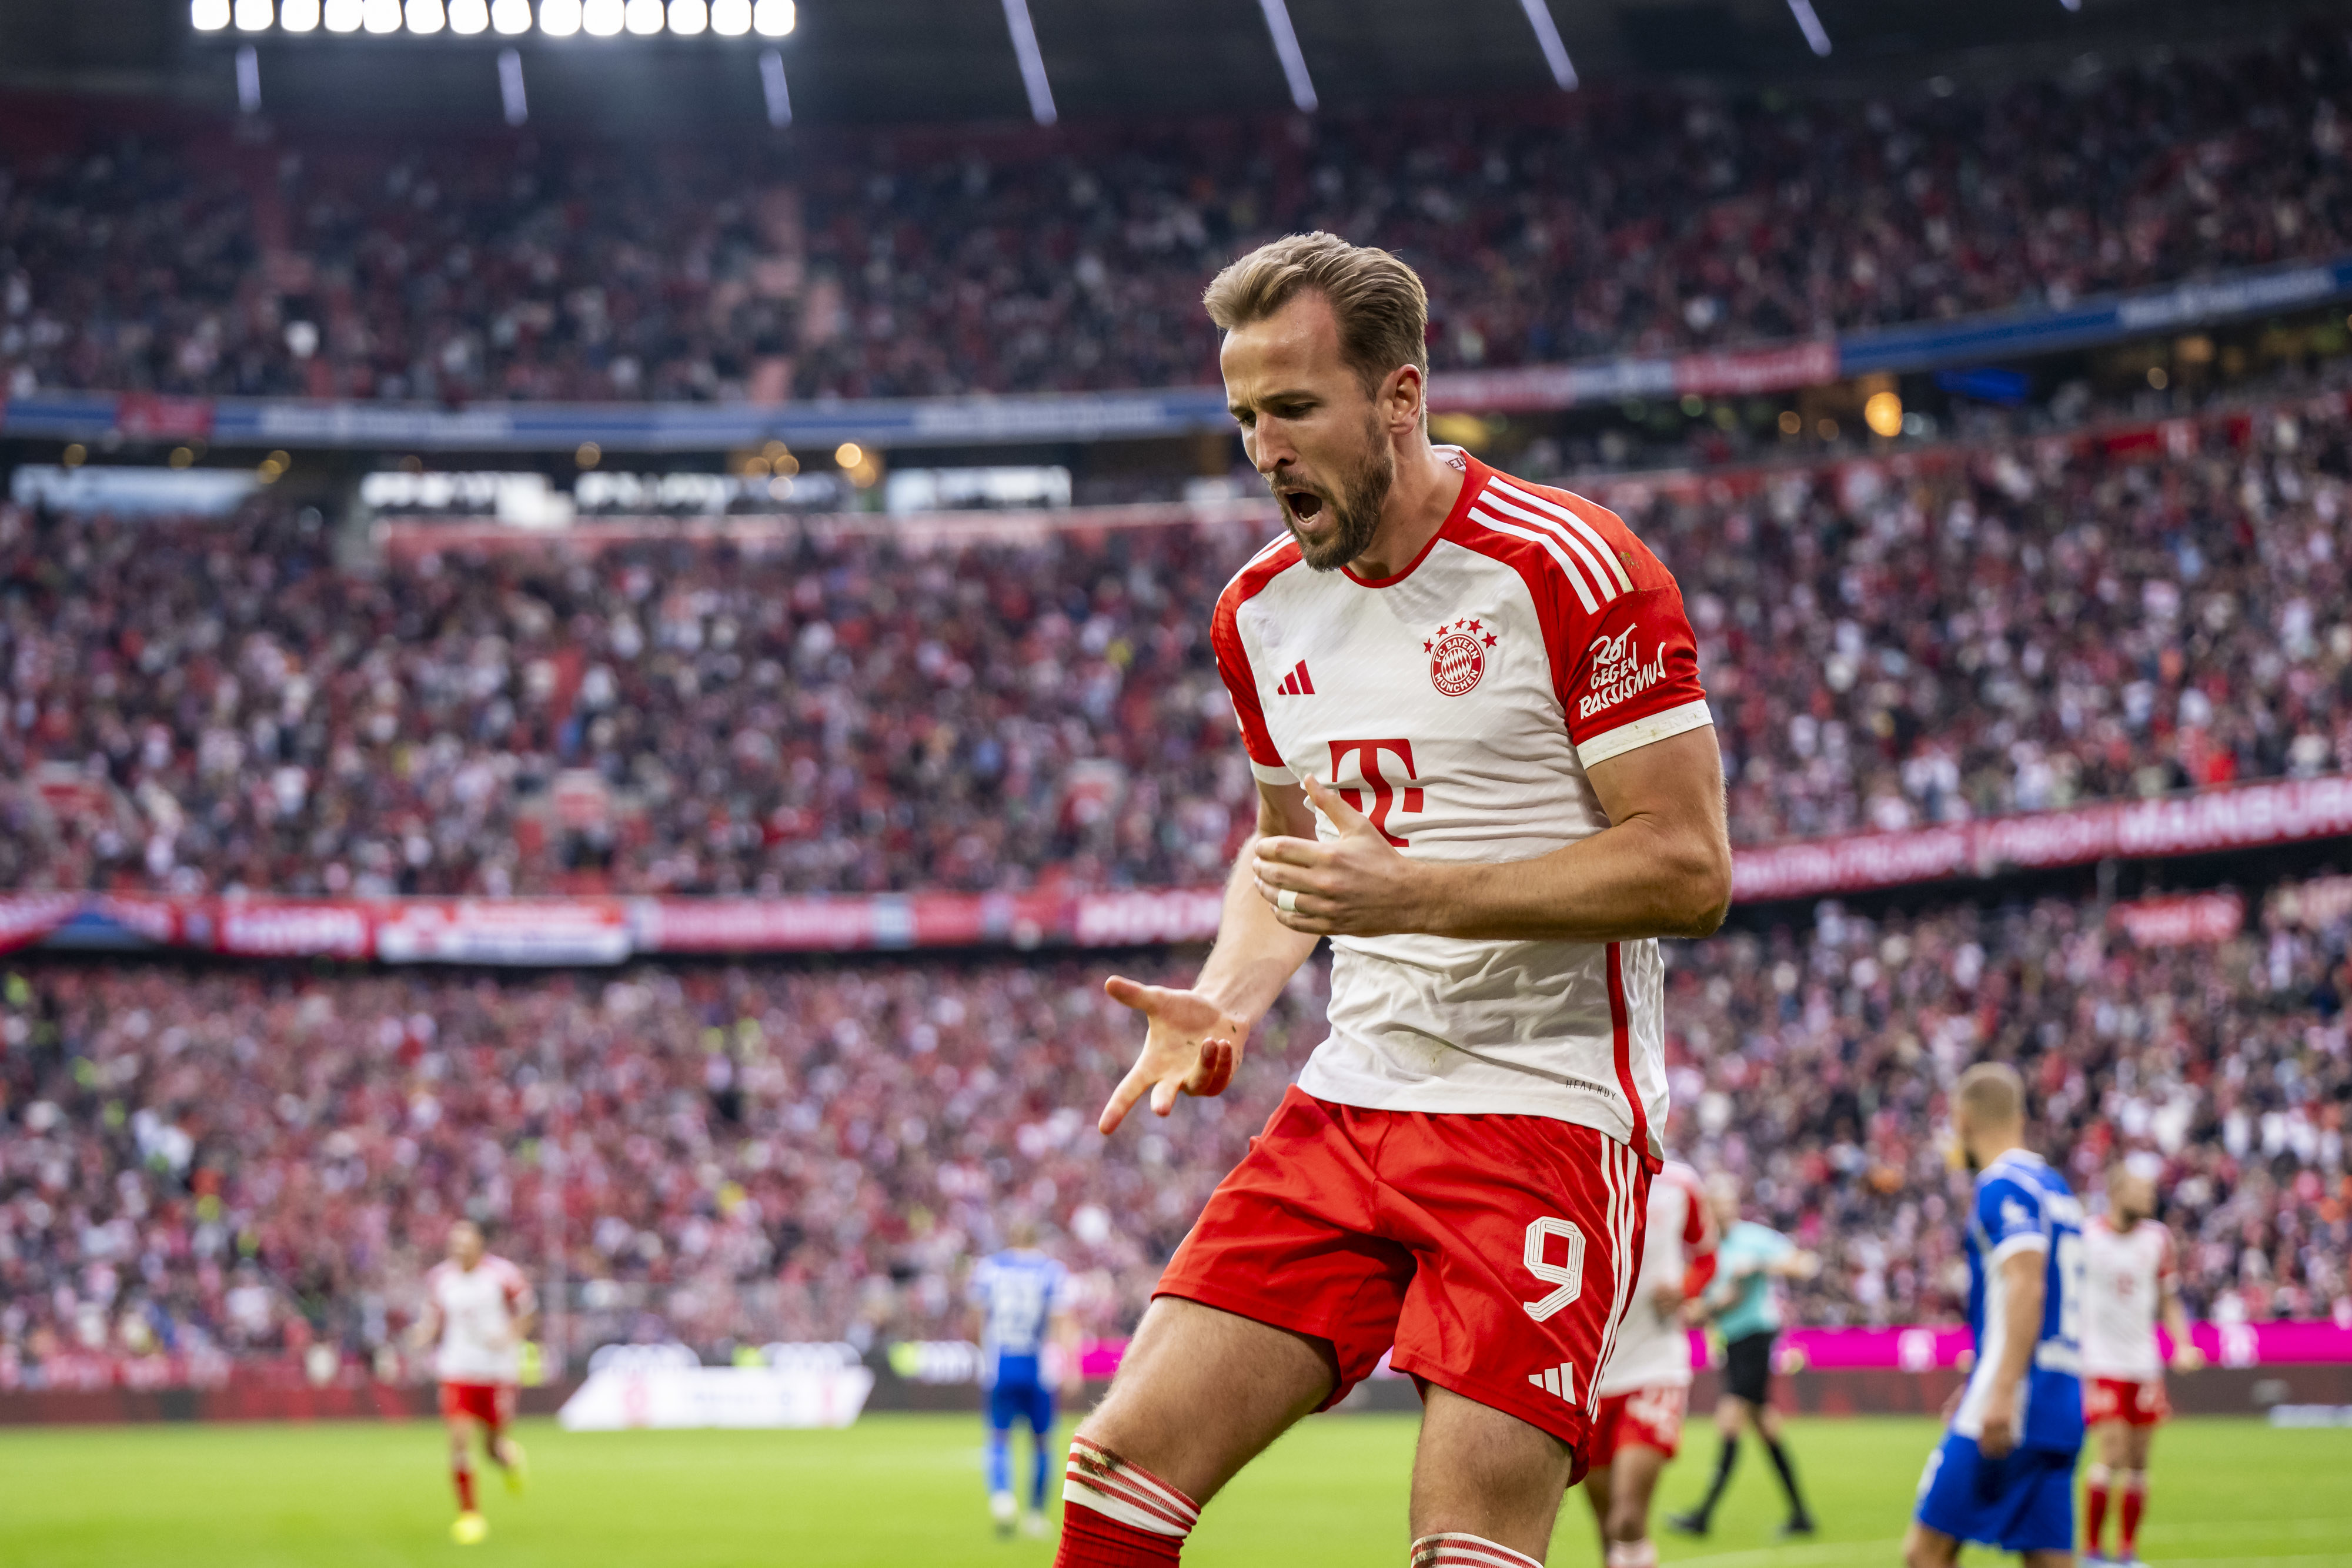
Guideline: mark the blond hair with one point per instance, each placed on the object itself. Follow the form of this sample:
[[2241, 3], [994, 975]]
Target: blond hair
[[1380, 307], [1991, 1095]]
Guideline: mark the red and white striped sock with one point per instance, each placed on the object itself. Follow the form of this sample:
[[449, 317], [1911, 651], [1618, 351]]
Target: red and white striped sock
[[1115, 1514], [1455, 1549]]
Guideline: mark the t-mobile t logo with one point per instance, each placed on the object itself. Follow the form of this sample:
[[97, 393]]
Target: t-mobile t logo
[[1384, 794]]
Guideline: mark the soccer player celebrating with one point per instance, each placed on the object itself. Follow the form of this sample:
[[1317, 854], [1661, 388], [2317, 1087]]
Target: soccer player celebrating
[[2128, 1275], [478, 1309], [1487, 771], [1646, 1384], [1745, 1300], [1021, 1297], [2005, 1472]]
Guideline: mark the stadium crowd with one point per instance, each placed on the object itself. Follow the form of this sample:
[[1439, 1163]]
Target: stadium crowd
[[245, 1162], [892, 264], [206, 707]]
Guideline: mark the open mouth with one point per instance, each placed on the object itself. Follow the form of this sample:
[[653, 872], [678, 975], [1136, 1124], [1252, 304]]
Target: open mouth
[[1304, 505]]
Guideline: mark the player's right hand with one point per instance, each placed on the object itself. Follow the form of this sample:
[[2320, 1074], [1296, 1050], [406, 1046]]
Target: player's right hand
[[1191, 1045]]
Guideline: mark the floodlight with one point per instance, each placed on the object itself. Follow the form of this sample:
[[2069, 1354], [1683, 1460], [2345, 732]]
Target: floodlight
[[1809, 22], [468, 16], [773, 86], [1294, 62], [380, 16], [511, 16], [426, 16], [688, 18], [208, 15], [299, 16], [644, 17], [253, 16], [602, 18], [342, 16], [732, 17], [773, 18], [558, 18], [510, 93]]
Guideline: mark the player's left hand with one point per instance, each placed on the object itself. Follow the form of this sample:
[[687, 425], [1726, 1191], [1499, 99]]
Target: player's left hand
[[2000, 1431], [2187, 1357], [1355, 885]]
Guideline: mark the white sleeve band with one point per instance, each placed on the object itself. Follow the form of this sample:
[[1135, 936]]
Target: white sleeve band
[[1644, 732], [1272, 775], [2032, 1241]]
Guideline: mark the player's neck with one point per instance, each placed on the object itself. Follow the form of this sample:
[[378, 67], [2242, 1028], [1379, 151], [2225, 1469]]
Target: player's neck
[[1996, 1149], [1420, 500]]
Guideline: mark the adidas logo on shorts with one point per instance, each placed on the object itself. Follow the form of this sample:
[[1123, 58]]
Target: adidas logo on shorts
[[1559, 1380]]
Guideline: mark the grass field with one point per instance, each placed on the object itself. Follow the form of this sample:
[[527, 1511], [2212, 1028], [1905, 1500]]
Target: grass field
[[906, 1491]]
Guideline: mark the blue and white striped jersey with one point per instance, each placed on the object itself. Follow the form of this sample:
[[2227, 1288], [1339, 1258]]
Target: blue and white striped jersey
[[2022, 1205], [1018, 1291]]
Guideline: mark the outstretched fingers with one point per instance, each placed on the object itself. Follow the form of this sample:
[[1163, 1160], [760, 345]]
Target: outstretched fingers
[[1122, 1100]]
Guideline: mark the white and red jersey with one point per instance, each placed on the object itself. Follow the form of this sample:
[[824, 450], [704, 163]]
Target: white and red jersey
[[482, 1309], [1457, 704], [1653, 1348], [2126, 1275]]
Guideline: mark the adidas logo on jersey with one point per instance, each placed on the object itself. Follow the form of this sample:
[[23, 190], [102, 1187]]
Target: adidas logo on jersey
[[1559, 1380], [1295, 684]]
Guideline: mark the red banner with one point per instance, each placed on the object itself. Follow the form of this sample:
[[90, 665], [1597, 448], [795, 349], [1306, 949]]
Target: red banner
[[150, 417], [1745, 373], [2239, 817], [2184, 921], [568, 931]]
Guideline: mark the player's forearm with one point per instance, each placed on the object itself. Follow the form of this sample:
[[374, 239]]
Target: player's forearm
[[2176, 1321], [1640, 878], [2020, 1327], [1256, 953]]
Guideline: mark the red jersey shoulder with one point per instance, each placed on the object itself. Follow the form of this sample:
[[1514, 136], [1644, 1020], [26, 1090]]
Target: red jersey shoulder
[[1233, 658], [1640, 565], [1277, 557]]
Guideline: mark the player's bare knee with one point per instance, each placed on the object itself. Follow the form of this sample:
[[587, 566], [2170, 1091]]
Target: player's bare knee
[[1925, 1548]]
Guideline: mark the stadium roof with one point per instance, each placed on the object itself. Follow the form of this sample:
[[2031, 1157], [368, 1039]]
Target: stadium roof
[[933, 60]]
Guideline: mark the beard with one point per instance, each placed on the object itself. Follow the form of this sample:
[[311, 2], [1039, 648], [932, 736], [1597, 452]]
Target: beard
[[1351, 509]]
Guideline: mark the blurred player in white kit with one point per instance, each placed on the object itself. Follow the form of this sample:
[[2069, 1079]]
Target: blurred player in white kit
[[2128, 1278], [1645, 1388], [478, 1309]]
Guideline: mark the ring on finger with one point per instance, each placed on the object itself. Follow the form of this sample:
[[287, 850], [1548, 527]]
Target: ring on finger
[[1287, 901]]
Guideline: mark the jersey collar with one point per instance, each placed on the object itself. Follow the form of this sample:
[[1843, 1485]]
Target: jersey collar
[[1474, 475]]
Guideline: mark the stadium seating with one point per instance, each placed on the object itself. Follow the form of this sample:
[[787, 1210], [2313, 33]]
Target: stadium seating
[[200, 707], [890, 265], [229, 1161]]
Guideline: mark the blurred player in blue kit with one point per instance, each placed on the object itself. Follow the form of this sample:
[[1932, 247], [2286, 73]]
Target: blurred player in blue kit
[[1021, 1297], [2004, 1474]]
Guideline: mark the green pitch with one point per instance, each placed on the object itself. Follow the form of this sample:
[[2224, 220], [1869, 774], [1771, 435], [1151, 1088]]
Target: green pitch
[[897, 1491]]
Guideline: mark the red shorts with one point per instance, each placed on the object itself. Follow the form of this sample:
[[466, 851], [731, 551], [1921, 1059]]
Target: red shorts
[[1640, 1419], [1495, 1253], [2132, 1401], [491, 1403]]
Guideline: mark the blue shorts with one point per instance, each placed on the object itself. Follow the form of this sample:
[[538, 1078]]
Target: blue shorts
[[1020, 1399], [2023, 1502]]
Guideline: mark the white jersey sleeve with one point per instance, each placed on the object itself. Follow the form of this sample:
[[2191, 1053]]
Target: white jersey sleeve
[[482, 1310], [2124, 1277]]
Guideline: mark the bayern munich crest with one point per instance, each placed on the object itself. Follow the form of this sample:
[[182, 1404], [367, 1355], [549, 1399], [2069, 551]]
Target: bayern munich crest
[[1457, 656]]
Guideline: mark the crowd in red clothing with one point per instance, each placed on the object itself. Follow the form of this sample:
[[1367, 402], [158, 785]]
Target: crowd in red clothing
[[877, 264], [220, 1161], [205, 707]]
